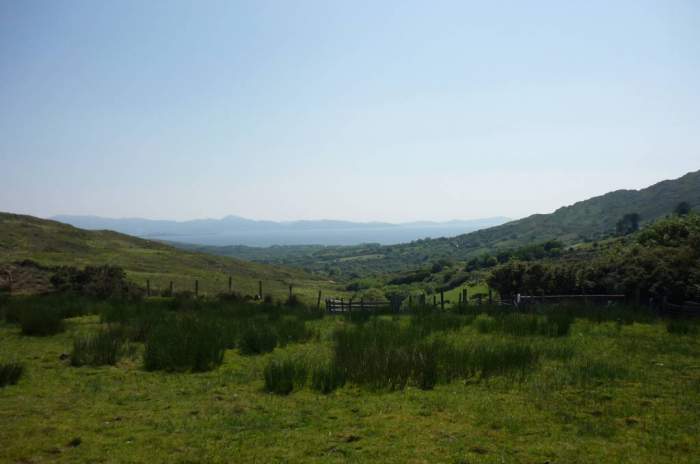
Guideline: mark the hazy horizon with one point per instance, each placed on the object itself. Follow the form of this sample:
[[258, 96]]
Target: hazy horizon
[[357, 111]]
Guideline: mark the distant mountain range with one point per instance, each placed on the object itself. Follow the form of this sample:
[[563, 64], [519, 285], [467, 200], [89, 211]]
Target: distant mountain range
[[234, 230]]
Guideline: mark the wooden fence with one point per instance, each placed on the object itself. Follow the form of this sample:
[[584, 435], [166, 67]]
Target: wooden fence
[[342, 306], [523, 300], [687, 309]]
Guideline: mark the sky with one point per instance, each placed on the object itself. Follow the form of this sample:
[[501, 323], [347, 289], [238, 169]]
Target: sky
[[387, 111]]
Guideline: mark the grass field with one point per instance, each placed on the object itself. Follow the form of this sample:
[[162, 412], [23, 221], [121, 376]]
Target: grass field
[[610, 387]]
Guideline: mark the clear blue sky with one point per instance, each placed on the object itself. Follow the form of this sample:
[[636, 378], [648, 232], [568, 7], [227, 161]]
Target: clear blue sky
[[346, 110]]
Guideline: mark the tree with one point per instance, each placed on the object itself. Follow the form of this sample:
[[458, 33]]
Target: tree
[[628, 224], [682, 209]]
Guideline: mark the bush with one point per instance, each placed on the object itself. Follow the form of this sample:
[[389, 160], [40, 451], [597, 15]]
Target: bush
[[10, 373], [184, 343], [282, 376], [40, 320], [95, 281], [326, 377], [103, 348]]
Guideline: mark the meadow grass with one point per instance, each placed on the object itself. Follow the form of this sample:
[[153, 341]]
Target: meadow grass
[[402, 388]]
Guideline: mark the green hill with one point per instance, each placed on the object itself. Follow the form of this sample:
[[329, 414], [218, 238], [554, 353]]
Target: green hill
[[591, 219], [51, 243]]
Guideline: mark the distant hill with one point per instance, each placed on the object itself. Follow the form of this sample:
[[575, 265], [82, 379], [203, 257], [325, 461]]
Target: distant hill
[[53, 243], [234, 230], [586, 220]]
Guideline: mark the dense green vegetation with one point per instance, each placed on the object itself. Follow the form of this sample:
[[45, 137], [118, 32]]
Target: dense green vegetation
[[661, 261], [585, 221], [169, 379], [49, 244]]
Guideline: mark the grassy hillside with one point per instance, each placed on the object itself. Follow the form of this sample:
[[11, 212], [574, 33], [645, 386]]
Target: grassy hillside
[[594, 218], [53, 243]]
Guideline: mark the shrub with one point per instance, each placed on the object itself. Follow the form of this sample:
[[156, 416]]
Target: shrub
[[283, 375], [40, 320], [184, 343], [326, 377], [103, 348], [10, 373], [95, 281]]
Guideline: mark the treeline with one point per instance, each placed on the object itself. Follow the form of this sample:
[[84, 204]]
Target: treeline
[[662, 260], [548, 249]]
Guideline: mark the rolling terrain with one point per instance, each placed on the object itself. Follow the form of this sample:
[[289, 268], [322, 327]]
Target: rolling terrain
[[586, 220], [51, 243]]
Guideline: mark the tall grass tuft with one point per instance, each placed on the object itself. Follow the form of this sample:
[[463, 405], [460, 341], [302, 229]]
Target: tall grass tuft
[[10, 373], [681, 327], [257, 338], [586, 371], [184, 343], [283, 375], [102, 348], [385, 355], [326, 377], [40, 320], [485, 323], [291, 329]]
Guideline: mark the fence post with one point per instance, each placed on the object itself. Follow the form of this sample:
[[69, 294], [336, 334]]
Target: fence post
[[290, 292], [148, 287], [465, 297], [490, 296], [410, 301], [230, 283], [434, 300], [478, 299], [318, 302], [171, 288], [260, 289], [196, 287], [442, 299]]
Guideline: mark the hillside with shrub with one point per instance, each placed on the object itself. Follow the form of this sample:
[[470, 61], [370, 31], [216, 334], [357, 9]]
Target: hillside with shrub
[[48, 244], [660, 261]]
